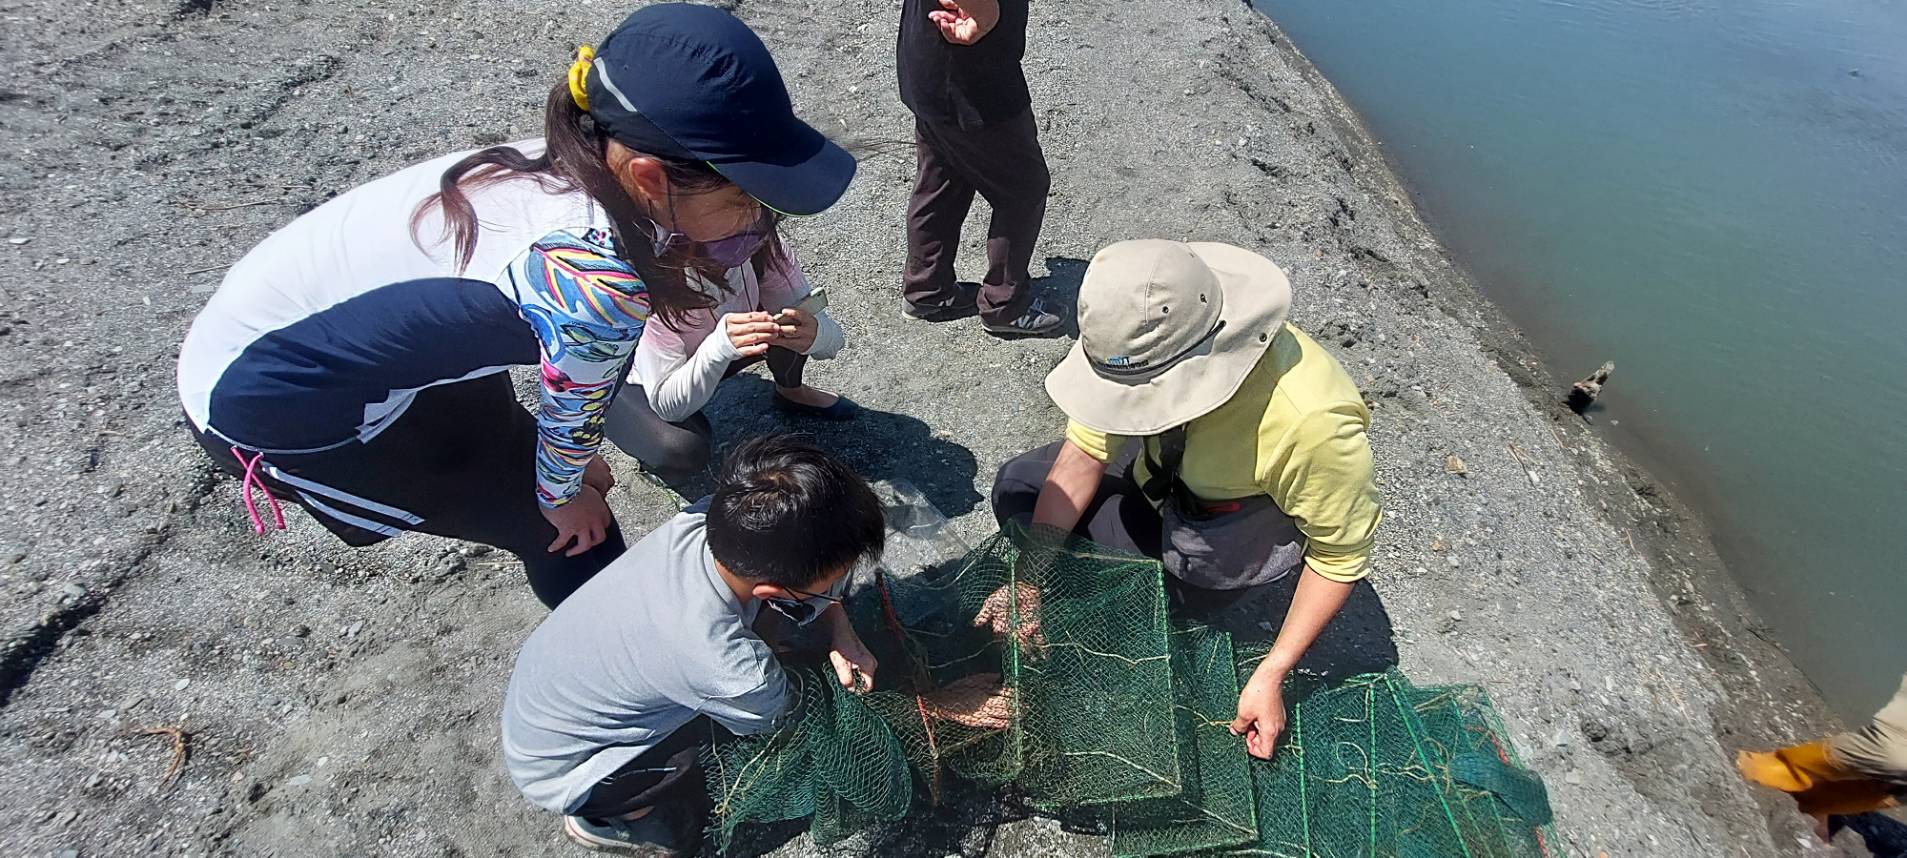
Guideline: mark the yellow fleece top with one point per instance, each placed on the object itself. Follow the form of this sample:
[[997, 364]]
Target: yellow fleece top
[[1295, 430]]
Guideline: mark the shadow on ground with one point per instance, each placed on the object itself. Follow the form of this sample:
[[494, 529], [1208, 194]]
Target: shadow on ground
[[1885, 837], [1359, 640], [879, 445], [1060, 287]]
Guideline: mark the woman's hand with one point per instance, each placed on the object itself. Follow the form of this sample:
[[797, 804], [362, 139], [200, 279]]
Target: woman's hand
[[750, 333], [854, 666], [585, 520], [597, 475], [798, 330], [1261, 712]]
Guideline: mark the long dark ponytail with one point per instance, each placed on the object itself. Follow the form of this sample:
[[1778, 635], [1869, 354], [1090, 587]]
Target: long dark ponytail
[[576, 158]]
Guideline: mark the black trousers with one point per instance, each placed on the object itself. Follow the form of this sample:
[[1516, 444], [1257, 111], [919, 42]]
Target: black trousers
[[679, 453], [461, 461], [1119, 516], [670, 772], [1001, 162]]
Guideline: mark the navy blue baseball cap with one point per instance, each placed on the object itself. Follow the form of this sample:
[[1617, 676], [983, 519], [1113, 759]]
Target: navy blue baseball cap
[[693, 83]]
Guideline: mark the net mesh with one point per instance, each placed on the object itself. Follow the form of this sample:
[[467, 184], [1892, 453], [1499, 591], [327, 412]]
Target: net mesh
[[1104, 711]]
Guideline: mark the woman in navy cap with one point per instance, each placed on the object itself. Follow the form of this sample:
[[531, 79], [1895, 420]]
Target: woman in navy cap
[[354, 363]]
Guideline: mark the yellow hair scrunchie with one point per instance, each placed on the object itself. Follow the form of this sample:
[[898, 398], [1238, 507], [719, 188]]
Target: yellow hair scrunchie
[[579, 76]]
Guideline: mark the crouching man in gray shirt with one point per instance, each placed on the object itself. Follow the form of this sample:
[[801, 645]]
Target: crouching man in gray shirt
[[597, 720]]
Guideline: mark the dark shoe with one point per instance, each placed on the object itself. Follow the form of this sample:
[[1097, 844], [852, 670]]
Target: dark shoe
[[842, 409], [1035, 321], [965, 304], [666, 832]]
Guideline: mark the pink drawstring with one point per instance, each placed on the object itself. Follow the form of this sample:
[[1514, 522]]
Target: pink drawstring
[[251, 506]]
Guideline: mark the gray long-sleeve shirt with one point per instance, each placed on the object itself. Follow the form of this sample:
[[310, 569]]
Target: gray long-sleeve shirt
[[653, 640]]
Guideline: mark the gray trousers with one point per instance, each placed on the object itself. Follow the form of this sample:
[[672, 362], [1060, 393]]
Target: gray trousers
[[1878, 750]]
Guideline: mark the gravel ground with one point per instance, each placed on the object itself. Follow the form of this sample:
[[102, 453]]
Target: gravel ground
[[344, 702]]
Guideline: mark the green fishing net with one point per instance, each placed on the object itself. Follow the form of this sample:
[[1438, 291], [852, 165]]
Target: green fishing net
[[1113, 714]]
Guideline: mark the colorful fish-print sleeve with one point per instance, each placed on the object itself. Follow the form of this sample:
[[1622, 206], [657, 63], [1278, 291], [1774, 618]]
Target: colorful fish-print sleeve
[[588, 308]]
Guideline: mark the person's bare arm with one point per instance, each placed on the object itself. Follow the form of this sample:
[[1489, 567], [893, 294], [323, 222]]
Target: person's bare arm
[[1261, 705], [1070, 487]]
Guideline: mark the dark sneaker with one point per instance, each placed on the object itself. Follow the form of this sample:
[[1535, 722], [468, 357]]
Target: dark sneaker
[[1035, 321], [664, 833], [965, 303], [843, 409]]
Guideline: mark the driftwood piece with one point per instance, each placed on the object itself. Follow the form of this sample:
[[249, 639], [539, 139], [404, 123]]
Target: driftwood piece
[[1583, 394]]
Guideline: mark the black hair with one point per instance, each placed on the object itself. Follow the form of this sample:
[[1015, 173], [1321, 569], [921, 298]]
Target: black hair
[[576, 157], [786, 513]]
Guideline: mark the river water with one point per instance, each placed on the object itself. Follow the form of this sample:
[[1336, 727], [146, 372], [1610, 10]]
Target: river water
[[1713, 194]]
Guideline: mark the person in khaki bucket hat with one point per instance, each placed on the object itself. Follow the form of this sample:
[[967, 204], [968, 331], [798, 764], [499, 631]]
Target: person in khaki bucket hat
[[1253, 462]]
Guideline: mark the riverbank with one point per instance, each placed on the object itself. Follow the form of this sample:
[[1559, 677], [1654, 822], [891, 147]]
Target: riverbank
[[344, 702]]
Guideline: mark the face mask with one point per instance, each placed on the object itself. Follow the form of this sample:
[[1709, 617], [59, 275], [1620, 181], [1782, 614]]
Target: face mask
[[806, 610]]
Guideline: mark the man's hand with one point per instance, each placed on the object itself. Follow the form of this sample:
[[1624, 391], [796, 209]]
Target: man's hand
[[1261, 712], [854, 666], [596, 475], [798, 330], [977, 701], [964, 22], [584, 520], [996, 614]]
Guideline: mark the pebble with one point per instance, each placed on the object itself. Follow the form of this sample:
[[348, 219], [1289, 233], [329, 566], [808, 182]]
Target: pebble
[[73, 591], [181, 684], [298, 780], [18, 240], [300, 631], [323, 761], [1573, 778], [354, 629], [1456, 616]]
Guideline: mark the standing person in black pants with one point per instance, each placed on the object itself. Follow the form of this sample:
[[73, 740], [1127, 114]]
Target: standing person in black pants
[[974, 133]]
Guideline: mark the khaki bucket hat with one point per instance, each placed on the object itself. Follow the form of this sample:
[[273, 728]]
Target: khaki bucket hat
[[1168, 331]]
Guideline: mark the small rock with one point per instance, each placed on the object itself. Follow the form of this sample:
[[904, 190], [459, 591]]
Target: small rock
[[181, 684], [73, 591], [1456, 616], [69, 853], [301, 631], [323, 761], [476, 550], [1573, 778], [1453, 464], [18, 240], [353, 630], [298, 780]]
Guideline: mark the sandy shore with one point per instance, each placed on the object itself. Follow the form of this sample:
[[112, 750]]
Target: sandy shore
[[344, 702]]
